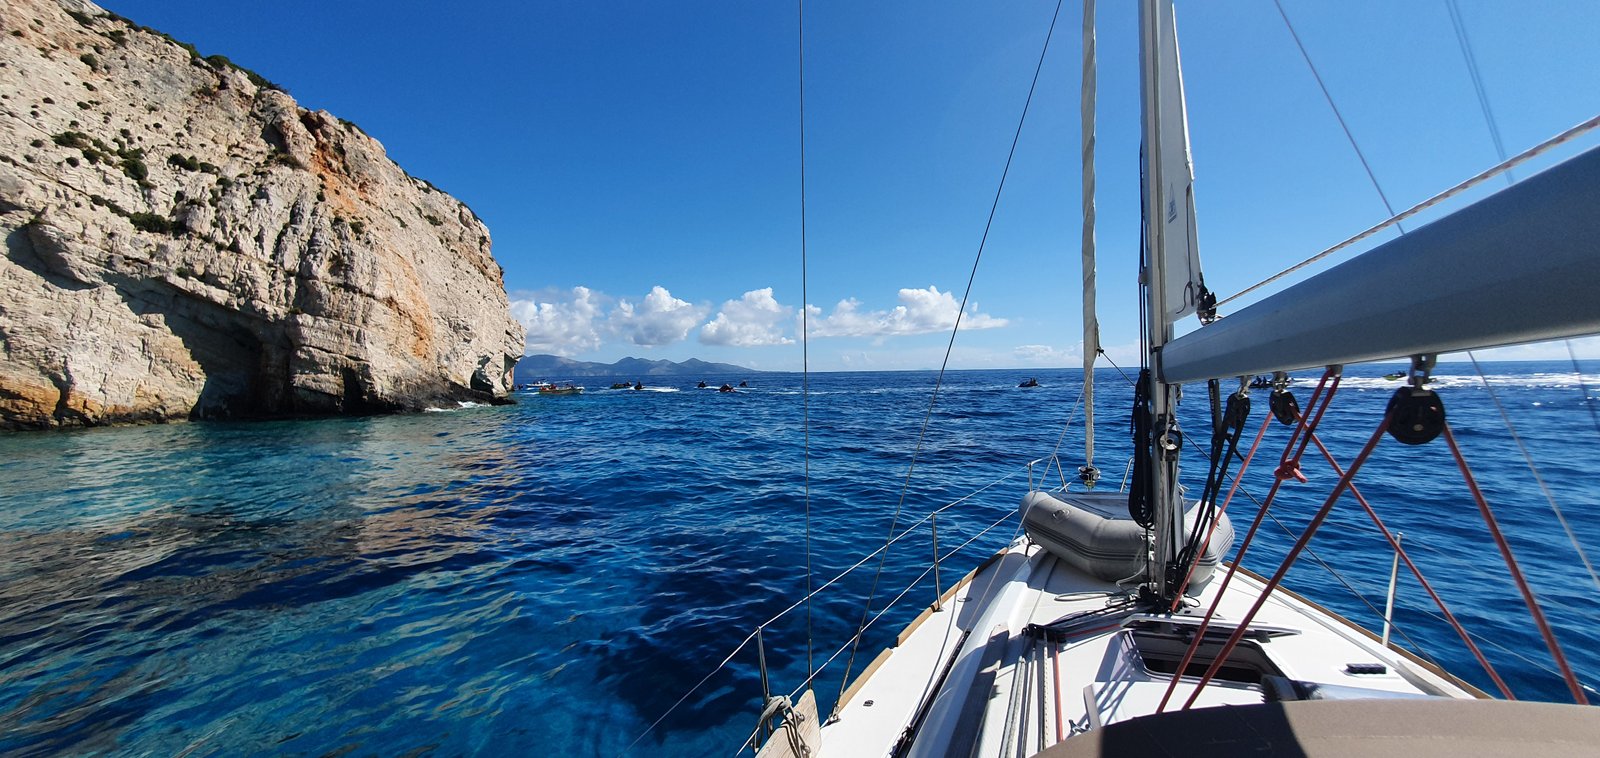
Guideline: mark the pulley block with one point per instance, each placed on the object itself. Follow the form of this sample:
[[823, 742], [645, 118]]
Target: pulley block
[[1416, 416], [1238, 410], [1169, 441], [1284, 407]]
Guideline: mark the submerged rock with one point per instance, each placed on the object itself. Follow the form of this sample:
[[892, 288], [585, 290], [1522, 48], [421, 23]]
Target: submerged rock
[[182, 240]]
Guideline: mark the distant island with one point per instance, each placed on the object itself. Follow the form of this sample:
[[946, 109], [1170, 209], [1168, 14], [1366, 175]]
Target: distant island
[[554, 367]]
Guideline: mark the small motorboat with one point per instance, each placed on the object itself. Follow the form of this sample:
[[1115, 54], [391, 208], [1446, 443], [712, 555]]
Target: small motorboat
[[1030, 383], [622, 386], [551, 389]]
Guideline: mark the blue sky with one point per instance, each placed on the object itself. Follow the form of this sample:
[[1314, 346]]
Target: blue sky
[[637, 163]]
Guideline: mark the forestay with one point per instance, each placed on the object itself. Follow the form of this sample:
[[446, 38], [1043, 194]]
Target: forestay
[[1091, 321]]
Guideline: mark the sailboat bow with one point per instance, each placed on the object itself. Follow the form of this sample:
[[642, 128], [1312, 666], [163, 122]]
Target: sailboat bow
[[1103, 629]]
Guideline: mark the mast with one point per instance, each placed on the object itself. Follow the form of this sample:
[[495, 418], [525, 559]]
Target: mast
[[1158, 63], [1091, 323]]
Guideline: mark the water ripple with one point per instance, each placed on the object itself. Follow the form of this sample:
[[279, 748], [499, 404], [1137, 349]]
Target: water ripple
[[549, 578]]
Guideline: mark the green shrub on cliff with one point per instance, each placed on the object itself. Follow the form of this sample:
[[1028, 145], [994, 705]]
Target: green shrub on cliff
[[151, 222], [134, 167], [72, 139], [221, 63]]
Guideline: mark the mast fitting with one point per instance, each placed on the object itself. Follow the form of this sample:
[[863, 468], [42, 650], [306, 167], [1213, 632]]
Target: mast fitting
[[1089, 475], [1169, 438], [1421, 368], [1281, 402], [1416, 413], [1206, 306]]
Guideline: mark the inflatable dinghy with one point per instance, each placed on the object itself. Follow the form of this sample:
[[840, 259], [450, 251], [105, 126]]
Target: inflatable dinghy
[[1093, 533]]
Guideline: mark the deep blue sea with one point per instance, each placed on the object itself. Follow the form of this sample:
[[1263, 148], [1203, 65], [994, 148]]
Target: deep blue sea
[[549, 578]]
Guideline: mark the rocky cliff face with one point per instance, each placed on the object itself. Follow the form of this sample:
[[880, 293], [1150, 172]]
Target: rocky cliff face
[[183, 241]]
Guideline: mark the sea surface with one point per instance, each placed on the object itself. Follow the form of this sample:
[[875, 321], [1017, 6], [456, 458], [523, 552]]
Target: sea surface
[[551, 578]]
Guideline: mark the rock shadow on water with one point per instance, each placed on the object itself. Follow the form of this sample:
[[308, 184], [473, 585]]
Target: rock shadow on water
[[695, 612], [77, 680]]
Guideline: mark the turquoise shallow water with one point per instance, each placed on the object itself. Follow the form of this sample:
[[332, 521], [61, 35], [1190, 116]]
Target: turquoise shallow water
[[549, 578]]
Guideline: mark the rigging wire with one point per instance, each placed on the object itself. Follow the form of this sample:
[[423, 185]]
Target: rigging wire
[[805, 341], [1336, 114], [1062, 438], [1239, 487], [1288, 467], [825, 585], [1584, 386], [1534, 469], [1506, 165], [1517, 576], [897, 598], [1414, 645], [1114, 365], [1400, 552], [1477, 82], [950, 347], [1486, 640], [1272, 583]]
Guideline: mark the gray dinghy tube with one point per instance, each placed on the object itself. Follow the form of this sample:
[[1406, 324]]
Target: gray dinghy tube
[[1093, 533]]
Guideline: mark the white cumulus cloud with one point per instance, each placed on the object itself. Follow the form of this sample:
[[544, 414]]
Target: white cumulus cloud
[[561, 323], [660, 319], [920, 311], [754, 320]]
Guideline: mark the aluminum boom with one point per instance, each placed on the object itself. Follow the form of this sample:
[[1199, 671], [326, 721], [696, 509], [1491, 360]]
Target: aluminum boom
[[1522, 265]]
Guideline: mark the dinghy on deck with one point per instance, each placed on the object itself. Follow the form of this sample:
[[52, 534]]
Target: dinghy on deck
[[1092, 532]]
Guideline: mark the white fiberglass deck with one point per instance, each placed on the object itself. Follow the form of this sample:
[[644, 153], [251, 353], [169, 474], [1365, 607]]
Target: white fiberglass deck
[[999, 690]]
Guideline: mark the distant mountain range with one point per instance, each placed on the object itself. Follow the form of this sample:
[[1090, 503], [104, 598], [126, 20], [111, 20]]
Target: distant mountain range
[[555, 368]]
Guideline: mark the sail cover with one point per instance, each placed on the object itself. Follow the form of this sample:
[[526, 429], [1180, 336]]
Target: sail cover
[[1180, 249], [1091, 321]]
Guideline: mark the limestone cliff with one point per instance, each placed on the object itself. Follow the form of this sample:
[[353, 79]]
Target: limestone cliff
[[183, 241]]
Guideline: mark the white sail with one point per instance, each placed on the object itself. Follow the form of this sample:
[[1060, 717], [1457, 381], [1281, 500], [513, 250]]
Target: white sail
[[1178, 245], [1091, 321]]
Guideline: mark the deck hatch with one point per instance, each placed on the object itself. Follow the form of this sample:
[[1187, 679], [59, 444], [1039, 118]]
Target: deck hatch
[[1161, 648]]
